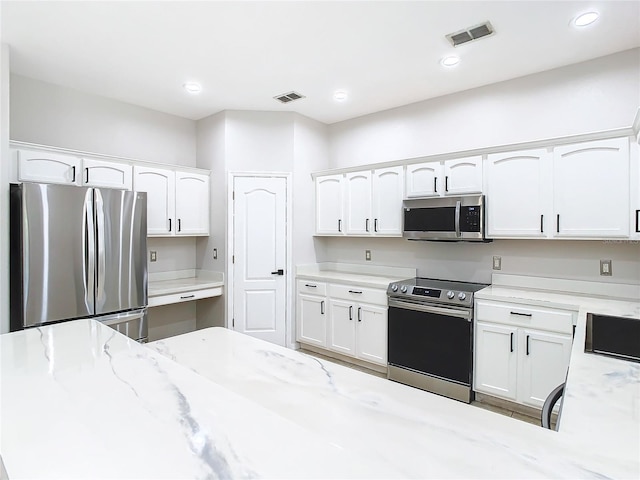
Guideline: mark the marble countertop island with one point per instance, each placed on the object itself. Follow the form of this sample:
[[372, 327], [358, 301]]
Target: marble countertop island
[[79, 400]]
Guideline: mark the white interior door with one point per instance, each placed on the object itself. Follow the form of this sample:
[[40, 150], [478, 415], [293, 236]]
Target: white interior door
[[259, 249]]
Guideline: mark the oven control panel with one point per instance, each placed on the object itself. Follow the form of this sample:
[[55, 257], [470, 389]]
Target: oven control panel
[[445, 296], [426, 292]]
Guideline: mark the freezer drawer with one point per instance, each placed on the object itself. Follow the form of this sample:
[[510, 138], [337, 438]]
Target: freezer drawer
[[132, 324]]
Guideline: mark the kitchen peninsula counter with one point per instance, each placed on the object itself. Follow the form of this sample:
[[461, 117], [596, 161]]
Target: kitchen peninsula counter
[[80, 400]]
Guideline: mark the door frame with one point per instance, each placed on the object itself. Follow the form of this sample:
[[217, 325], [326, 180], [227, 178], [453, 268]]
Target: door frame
[[288, 321]]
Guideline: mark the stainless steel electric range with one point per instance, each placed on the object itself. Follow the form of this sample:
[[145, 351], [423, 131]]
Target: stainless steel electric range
[[430, 338]]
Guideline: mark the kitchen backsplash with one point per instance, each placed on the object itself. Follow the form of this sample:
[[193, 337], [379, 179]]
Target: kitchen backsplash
[[172, 254], [473, 262]]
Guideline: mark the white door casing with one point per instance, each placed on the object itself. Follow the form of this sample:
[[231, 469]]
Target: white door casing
[[259, 304]]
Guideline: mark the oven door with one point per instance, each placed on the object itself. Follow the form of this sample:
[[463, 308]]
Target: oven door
[[433, 340]]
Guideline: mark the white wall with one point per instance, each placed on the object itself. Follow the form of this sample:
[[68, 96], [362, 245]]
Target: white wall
[[52, 115], [597, 95], [211, 155], [4, 187]]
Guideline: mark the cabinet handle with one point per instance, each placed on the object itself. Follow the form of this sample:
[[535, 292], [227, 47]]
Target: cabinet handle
[[359, 314], [435, 185], [541, 223], [558, 223], [522, 314], [511, 345], [87, 172], [375, 223], [73, 174], [169, 224], [355, 291], [310, 285], [366, 224], [179, 225], [637, 221], [350, 312], [527, 344], [339, 225], [322, 307], [446, 183], [186, 296]]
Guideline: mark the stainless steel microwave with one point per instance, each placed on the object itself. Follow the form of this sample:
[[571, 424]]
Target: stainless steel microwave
[[445, 219]]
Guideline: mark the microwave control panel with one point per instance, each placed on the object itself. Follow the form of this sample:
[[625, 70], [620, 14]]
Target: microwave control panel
[[470, 219]]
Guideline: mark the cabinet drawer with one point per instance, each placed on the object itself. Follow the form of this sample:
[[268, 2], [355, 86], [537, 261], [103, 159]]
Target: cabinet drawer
[[358, 294], [518, 315], [184, 296], [312, 287]]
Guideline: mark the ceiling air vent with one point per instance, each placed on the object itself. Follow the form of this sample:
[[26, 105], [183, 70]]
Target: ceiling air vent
[[469, 34], [288, 97]]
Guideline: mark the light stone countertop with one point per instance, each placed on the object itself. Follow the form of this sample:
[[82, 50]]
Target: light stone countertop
[[419, 434], [168, 283], [79, 400], [354, 274]]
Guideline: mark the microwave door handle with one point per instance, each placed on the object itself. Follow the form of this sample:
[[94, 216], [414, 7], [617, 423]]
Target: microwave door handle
[[457, 220]]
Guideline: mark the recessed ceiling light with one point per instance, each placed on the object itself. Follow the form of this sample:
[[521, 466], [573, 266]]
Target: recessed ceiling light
[[585, 19], [450, 61], [192, 87], [340, 95]]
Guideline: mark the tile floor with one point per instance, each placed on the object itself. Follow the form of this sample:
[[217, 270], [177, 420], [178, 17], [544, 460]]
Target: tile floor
[[535, 420]]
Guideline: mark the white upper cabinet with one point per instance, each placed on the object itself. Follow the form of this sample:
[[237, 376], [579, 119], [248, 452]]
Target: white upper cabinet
[[192, 203], [387, 201], [422, 180], [48, 167], [463, 176], [177, 201], [329, 205], [159, 183], [364, 203], [98, 173], [451, 177], [358, 191], [635, 190], [591, 189], [518, 193]]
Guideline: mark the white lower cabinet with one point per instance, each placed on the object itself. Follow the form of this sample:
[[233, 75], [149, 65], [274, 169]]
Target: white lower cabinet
[[311, 313], [521, 352], [496, 365], [545, 359], [354, 322]]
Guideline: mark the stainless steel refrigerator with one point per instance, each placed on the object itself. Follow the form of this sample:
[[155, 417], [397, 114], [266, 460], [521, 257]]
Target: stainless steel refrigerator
[[78, 252]]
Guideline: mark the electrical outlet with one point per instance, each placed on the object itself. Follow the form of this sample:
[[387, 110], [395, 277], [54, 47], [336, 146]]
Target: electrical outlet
[[367, 255], [153, 256], [215, 253], [497, 263], [605, 268]]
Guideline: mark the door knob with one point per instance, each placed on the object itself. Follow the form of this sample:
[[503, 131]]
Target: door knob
[[278, 272]]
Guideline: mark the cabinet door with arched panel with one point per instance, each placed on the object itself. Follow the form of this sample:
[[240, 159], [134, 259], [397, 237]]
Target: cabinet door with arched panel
[[518, 198], [159, 183], [463, 176], [192, 203], [98, 173], [422, 180]]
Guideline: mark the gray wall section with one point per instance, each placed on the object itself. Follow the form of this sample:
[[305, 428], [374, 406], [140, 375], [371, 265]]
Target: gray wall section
[[62, 117], [597, 95]]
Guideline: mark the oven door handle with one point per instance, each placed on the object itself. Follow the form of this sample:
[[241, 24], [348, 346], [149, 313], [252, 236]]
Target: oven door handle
[[452, 312]]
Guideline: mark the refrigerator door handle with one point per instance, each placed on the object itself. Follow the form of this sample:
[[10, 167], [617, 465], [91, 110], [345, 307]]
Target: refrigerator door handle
[[89, 245], [100, 243]]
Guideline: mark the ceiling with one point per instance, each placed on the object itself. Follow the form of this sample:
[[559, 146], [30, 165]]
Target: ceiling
[[383, 53]]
